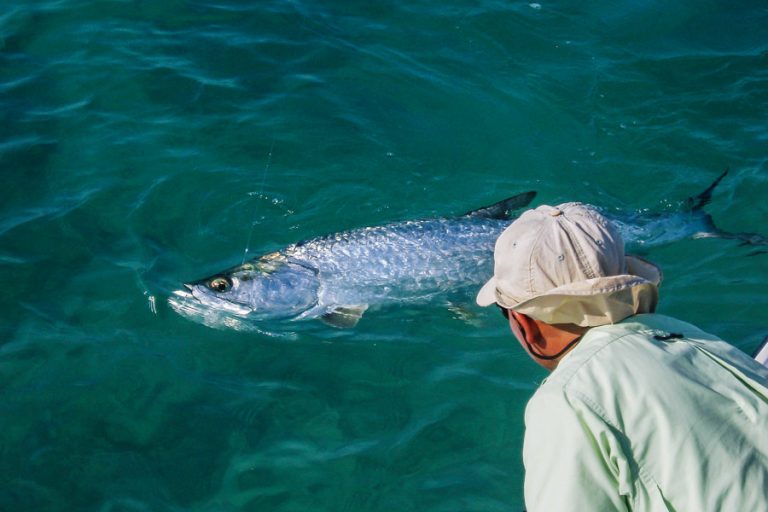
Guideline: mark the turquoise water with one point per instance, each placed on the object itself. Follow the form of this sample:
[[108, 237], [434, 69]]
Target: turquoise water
[[143, 143]]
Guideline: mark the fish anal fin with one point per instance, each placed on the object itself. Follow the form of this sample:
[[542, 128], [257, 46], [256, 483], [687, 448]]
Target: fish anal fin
[[503, 209], [344, 317]]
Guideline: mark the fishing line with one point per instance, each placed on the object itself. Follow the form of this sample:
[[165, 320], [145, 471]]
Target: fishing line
[[256, 208]]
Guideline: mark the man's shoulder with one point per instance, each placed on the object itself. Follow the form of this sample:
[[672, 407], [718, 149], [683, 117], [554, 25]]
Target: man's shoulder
[[659, 326], [619, 351], [654, 354], [609, 367]]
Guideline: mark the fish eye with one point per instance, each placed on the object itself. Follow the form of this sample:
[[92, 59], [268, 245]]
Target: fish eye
[[220, 284]]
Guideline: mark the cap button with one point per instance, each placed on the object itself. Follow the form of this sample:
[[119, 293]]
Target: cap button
[[555, 212]]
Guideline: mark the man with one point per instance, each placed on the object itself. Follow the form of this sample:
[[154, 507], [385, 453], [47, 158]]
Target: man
[[641, 411]]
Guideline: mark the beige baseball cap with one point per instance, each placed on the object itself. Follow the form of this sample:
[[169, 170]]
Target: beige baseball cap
[[566, 265]]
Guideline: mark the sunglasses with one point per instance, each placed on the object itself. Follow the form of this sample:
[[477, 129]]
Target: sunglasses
[[504, 311]]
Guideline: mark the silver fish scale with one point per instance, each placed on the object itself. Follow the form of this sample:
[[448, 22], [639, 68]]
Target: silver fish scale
[[401, 260]]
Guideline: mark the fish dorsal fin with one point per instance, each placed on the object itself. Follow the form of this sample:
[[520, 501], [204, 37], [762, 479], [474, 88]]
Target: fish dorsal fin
[[503, 209], [344, 316]]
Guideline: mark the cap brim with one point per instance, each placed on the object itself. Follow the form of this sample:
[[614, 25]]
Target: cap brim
[[487, 294], [598, 301], [637, 266], [592, 310]]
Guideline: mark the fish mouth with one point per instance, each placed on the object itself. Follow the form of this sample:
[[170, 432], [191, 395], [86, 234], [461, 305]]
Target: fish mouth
[[205, 301], [185, 304], [188, 305], [182, 301]]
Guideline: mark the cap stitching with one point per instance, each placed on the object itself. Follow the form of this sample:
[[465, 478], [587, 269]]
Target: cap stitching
[[581, 257], [534, 245]]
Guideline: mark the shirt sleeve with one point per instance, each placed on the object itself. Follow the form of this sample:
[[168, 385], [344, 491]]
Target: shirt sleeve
[[574, 461]]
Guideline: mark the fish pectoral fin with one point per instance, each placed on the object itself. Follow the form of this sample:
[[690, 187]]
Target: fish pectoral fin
[[344, 316], [461, 311], [464, 312]]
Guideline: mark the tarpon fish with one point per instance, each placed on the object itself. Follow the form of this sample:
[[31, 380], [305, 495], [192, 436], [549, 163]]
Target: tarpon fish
[[337, 277]]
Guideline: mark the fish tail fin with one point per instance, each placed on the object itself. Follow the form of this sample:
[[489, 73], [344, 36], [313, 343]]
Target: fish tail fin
[[504, 208], [698, 202]]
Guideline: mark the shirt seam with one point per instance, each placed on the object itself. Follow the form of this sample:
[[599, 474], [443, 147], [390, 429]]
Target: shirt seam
[[573, 371], [642, 472]]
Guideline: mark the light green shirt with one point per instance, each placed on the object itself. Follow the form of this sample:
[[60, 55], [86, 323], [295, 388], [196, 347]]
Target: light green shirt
[[632, 422]]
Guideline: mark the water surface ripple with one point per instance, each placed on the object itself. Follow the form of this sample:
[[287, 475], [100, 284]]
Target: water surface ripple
[[141, 141]]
